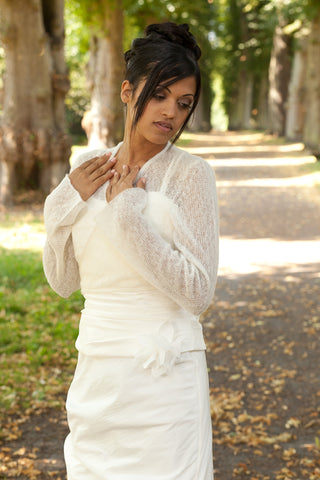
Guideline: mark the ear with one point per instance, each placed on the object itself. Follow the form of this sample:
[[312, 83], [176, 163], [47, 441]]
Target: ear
[[126, 91]]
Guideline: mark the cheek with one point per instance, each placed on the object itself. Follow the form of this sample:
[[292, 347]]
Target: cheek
[[183, 117], [150, 113]]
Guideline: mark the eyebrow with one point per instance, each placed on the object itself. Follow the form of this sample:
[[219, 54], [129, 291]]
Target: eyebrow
[[184, 95]]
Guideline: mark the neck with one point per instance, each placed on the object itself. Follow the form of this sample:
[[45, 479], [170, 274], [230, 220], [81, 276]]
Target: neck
[[134, 152]]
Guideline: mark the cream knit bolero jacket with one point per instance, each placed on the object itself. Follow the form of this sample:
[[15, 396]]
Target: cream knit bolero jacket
[[175, 248]]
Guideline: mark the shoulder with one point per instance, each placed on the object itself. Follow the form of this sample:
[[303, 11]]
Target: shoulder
[[191, 165]]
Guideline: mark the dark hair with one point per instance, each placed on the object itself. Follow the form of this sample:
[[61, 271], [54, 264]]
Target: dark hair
[[167, 53]]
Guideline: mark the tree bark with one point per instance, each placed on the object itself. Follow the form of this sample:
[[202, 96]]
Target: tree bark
[[296, 96], [103, 124], [34, 147], [279, 76], [262, 103], [311, 128], [201, 121], [241, 105]]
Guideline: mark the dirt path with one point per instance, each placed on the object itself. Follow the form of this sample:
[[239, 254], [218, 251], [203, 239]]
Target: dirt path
[[263, 328]]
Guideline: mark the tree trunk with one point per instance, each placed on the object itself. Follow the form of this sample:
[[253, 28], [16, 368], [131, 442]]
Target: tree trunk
[[201, 121], [34, 147], [247, 100], [262, 103], [279, 76], [311, 130], [241, 106], [296, 96], [104, 122]]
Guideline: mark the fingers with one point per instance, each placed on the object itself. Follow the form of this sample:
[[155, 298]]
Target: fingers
[[110, 193], [97, 182], [114, 179], [128, 175], [103, 174], [141, 183], [118, 183], [98, 165], [89, 176], [100, 170]]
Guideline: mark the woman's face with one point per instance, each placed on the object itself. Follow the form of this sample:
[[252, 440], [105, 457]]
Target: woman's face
[[165, 112]]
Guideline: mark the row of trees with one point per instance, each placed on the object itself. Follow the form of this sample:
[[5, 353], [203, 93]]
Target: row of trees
[[34, 144], [271, 74], [265, 53]]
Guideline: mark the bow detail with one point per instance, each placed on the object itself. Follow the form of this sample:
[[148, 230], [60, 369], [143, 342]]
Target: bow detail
[[159, 351]]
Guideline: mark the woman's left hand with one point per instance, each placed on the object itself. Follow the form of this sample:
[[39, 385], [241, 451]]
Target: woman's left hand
[[119, 183]]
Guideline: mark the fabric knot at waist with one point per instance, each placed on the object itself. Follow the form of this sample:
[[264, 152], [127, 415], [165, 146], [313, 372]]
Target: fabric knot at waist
[[159, 351]]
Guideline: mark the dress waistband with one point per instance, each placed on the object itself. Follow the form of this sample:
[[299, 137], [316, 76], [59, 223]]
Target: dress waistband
[[155, 335], [126, 305]]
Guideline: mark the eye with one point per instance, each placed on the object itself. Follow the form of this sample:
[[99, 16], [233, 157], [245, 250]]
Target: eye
[[159, 95], [185, 106]]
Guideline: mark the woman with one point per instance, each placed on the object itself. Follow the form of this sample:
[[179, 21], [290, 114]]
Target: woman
[[136, 228]]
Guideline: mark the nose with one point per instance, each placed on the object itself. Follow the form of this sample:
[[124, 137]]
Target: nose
[[169, 108]]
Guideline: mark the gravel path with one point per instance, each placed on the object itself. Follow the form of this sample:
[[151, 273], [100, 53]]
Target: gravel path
[[263, 327]]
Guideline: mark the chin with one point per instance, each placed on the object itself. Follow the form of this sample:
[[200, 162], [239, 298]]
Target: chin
[[159, 141]]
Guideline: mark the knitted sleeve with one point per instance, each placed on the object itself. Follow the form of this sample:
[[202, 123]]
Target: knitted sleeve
[[185, 269], [61, 209]]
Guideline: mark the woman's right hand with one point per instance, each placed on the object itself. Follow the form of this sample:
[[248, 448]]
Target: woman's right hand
[[89, 176], [122, 182]]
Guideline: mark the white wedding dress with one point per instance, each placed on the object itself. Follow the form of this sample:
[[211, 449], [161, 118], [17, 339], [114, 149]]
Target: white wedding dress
[[138, 406]]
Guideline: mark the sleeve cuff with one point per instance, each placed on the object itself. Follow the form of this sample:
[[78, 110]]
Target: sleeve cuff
[[63, 205]]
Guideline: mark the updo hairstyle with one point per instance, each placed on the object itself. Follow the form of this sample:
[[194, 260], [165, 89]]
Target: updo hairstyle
[[167, 53]]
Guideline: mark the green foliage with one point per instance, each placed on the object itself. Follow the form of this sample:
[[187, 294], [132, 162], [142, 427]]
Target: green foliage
[[295, 9], [2, 70], [245, 32], [200, 15], [37, 332], [84, 18], [92, 12], [77, 55], [89, 11], [244, 41]]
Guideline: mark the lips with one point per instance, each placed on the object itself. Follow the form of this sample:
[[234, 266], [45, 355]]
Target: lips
[[164, 126]]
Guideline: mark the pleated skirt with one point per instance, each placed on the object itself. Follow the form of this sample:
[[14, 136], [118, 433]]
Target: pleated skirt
[[126, 424]]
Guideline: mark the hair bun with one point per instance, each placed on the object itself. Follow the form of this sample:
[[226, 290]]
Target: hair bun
[[178, 34]]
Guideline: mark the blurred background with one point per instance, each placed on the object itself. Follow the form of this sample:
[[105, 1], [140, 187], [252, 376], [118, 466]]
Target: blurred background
[[61, 67]]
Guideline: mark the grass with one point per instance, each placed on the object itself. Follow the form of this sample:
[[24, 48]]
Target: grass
[[37, 327], [312, 168], [184, 140]]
